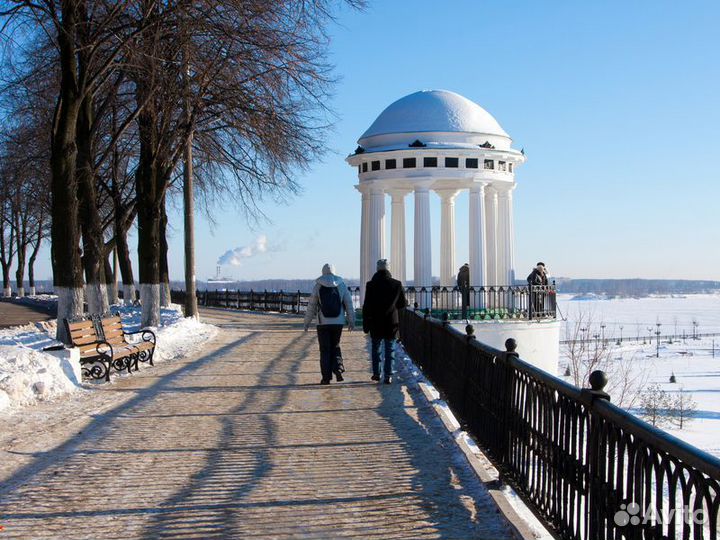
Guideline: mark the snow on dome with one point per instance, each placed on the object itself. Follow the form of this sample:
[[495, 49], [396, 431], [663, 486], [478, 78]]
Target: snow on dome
[[434, 111]]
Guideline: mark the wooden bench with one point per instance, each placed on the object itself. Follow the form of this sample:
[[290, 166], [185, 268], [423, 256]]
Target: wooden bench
[[104, 347]]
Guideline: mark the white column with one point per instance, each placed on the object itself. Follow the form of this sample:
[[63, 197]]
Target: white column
[[447, 237], [506, 236], [423, 253], [377, 228], [397, 235], [477, 235], [491, 260], [364, 238]]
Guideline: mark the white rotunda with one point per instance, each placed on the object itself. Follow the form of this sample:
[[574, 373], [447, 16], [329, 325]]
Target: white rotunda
[[440, 141]]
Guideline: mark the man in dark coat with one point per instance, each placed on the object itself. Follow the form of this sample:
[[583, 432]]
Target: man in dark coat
[[383, 297], [463, 283], [537, 279]]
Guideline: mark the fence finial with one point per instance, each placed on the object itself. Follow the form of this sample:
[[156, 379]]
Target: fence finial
[[598, 380], [470, 331], [444, 318], [510, 345], [415, 306]]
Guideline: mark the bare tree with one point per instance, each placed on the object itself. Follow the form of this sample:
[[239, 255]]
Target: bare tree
[[586, 354], [655, 404], [682, 408]]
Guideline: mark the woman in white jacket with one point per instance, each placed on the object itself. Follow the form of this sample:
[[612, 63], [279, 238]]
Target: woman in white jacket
[[332, 304]]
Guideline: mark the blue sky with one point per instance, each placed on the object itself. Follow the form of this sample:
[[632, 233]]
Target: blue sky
[[617, 105]]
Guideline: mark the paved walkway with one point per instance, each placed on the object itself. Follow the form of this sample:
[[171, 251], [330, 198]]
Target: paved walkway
[[243, 443], [13, 314]]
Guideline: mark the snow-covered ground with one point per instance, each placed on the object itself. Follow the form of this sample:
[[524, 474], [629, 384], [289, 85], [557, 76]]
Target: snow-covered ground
[[691, 360], [28, 375]]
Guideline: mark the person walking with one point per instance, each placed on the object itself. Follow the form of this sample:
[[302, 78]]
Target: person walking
[[463, 283], [331, 303], [384, 296]]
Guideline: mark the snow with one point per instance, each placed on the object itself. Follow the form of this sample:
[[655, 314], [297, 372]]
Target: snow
[[691, 360], [29, 375], [434, 110]]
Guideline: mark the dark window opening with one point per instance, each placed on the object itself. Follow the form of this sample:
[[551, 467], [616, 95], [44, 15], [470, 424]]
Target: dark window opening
[[390, 164], [430, 162], [501, 166], [409, 163], [452, 162], [489, 164], [365, 167], [471, 163], [375, 165], [510, 165], [359, 169]]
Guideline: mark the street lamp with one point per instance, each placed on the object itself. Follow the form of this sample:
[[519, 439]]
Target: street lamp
[[650, 332], [602, 328], [621, 333], [657, 333]]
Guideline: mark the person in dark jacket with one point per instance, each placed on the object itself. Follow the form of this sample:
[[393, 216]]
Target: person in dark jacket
[[463, 283], [383, 297], [537, 278]]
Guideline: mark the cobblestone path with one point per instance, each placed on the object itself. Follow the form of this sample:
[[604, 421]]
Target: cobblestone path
[[242, 442]]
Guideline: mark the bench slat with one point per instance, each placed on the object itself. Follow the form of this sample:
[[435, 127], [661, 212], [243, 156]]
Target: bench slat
[[83, 340], [81, 325]]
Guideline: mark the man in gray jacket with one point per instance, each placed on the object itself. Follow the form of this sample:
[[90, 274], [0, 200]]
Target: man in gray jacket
[[332, 304]]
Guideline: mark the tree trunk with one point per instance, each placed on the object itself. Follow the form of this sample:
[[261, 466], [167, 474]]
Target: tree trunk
[[149, 198], [109, 276], [65, 237], [126, 272], [7, 290], [164, 270], [34, 254], [191, 308], [91, 223], [6, 250], [21, 219]]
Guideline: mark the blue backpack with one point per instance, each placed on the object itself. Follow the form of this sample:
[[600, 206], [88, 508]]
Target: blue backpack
[[330, 301]]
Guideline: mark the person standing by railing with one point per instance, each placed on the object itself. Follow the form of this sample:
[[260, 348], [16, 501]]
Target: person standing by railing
[[463, 283], [332, 304], [537, 281], [383, 297]]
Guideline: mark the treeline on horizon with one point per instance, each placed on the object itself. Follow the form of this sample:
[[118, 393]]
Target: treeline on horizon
[[636, 287]]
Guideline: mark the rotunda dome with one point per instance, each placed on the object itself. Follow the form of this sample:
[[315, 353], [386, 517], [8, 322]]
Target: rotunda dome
[[437, 116]]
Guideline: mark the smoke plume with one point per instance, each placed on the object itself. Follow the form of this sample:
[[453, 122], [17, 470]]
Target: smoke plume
[[235, 256]]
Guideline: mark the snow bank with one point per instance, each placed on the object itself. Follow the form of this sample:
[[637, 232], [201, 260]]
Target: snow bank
[[29, 375]]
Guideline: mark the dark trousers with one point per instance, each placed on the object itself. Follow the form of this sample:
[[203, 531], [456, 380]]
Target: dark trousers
[[388, 347], [329, 341]]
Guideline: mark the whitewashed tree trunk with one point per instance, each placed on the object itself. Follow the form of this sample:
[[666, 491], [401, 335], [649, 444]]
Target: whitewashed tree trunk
[[21, 292], [70, 306], [32, 291], [128, 293], [150, 300], [97, 298], [112, 293], [7, 292], [164, 294]]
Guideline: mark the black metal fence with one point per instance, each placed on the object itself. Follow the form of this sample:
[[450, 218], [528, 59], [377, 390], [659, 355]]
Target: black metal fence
[[589, 469], [475, 303]]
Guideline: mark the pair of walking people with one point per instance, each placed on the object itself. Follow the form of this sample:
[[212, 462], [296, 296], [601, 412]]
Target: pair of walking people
[[331, 303]]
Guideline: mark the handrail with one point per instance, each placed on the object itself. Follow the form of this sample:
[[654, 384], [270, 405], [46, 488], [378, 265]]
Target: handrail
[[577, 459]]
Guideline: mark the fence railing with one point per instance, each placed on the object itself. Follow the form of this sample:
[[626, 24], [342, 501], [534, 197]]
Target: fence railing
[[474, 303], [580, 462]]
